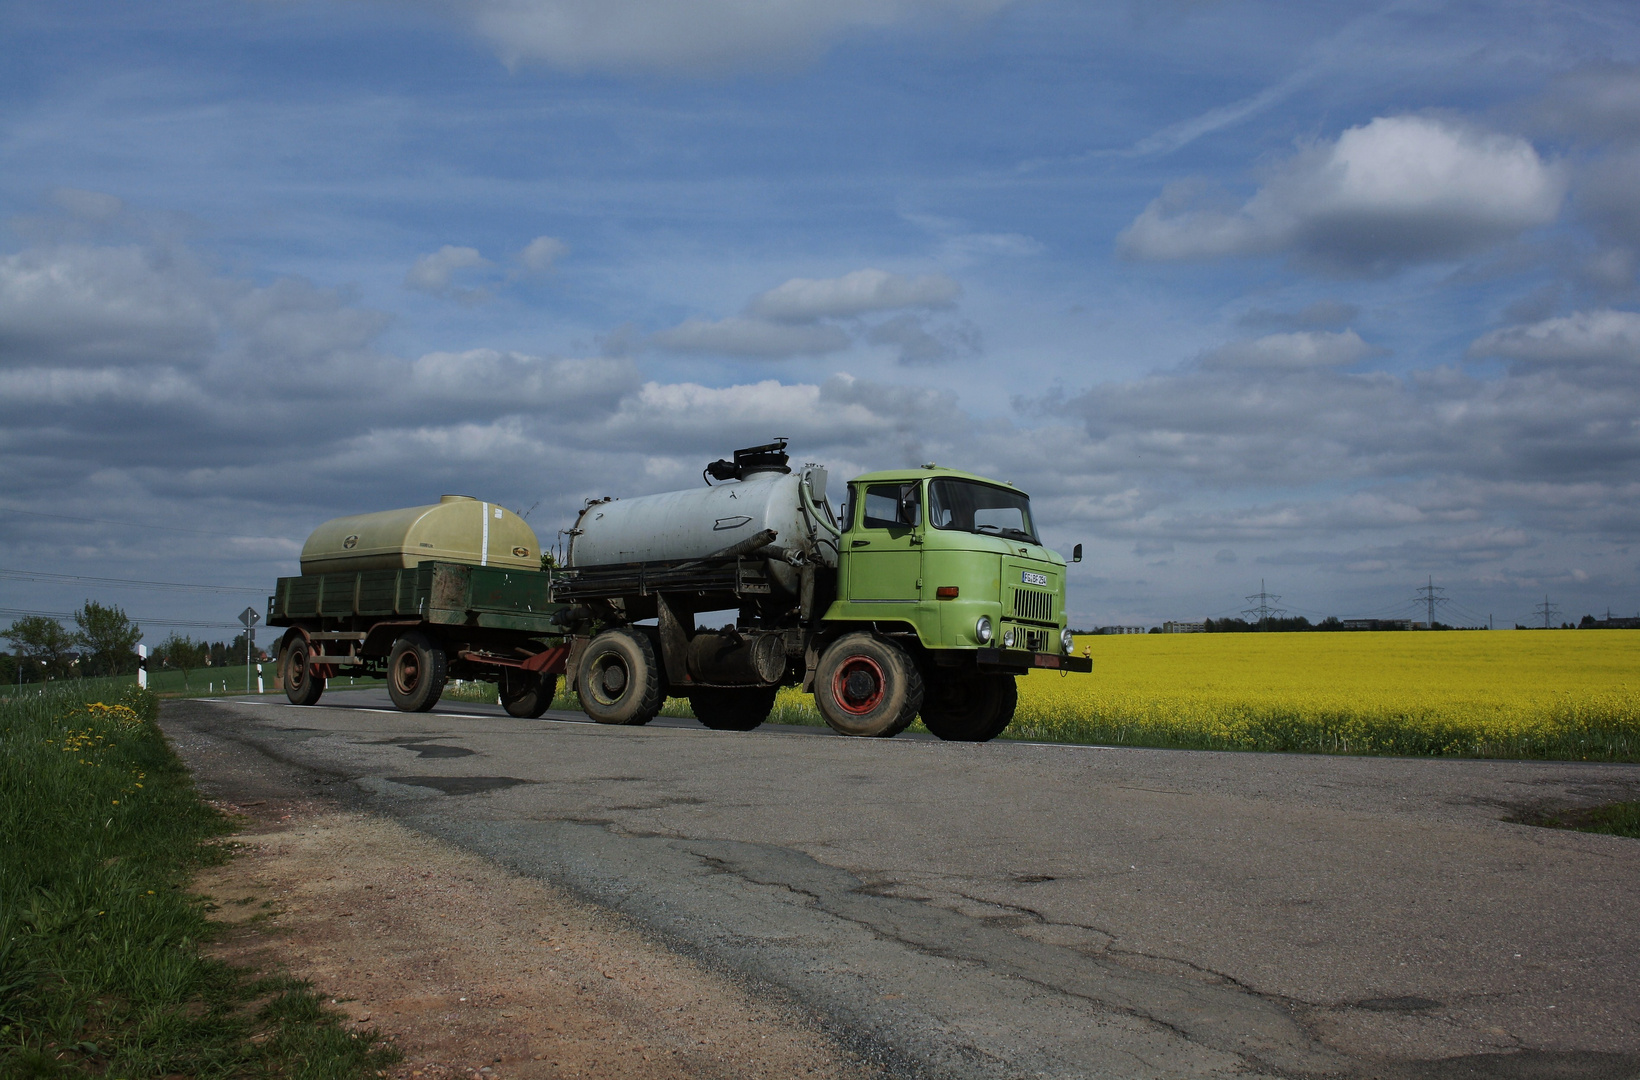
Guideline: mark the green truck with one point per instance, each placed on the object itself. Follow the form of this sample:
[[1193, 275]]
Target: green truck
[[926, 596]]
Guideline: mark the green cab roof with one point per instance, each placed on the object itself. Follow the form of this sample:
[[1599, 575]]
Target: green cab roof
[[889, 476]]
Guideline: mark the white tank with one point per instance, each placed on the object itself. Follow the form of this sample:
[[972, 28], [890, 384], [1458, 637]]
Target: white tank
[[704, 521]]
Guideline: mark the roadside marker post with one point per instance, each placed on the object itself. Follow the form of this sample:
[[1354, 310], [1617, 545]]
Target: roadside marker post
[[249, 618]]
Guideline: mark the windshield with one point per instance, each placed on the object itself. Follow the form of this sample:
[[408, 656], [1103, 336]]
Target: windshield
[[963, 506]]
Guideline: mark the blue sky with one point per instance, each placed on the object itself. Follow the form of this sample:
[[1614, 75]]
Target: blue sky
[[1335, 296]]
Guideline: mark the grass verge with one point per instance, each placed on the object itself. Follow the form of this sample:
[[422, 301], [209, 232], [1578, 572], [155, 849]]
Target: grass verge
[[101, 969], [1613, 819]]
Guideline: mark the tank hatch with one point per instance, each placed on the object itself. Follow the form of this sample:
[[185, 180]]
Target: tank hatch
[[770, 457]]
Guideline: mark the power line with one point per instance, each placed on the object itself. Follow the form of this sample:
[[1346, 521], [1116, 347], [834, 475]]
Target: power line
[[124, 583], [1429, 595], [138, 524], [1263, 609], [151, 622]]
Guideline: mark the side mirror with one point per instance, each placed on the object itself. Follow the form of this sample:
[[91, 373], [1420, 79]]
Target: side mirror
[[1076, 553]]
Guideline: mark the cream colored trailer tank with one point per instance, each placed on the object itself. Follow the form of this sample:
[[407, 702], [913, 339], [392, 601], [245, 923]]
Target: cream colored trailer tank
[[456, 529], [703, 521]]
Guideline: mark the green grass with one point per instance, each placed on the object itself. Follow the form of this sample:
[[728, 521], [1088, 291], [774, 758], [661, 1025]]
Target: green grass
[[101, 969], [1613, 819], [205, 682]]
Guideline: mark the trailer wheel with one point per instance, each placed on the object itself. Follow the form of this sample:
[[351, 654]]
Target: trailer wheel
[[619, 679], [416, 671], [971, 708], [732, 708], [302, 686], [527, 694], [867, 685]]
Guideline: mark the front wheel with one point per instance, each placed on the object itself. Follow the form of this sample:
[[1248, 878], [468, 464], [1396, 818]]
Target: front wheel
[[302, 686], [527, 694], [867, 685], [416, 672], [619, 679], [975, 708], [732, 708]]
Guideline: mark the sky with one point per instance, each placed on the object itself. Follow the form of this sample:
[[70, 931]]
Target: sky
[[1340, 298]]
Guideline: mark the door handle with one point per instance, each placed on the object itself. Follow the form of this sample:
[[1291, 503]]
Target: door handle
[[861, 543]]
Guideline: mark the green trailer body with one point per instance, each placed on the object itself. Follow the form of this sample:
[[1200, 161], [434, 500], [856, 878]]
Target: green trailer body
[[439, 593], [419, 626]]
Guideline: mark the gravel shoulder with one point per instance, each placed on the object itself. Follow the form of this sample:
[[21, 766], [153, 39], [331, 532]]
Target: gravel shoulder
[[473, 971]]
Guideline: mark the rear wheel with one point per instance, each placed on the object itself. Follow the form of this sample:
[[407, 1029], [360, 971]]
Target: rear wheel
[[416, 672], [302, 686], [867, 685], [619, 680], [527, 694], [973, 707], [732, 708]]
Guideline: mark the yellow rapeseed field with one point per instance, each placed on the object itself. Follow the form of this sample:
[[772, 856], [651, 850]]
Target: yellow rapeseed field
[[1561, 694]]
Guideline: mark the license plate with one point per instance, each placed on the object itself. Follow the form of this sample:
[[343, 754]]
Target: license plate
[[1031, 577]]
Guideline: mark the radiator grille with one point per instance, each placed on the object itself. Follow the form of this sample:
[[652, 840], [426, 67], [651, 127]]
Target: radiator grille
[[1036, 606]]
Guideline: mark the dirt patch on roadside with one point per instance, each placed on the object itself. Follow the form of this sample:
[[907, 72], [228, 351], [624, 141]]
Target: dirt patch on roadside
[[476, 972]]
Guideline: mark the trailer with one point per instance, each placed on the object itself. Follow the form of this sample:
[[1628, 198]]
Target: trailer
[[420, 625], [927, 595]]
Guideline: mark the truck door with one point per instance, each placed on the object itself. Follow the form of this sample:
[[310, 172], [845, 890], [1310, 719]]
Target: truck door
[[884, 549]]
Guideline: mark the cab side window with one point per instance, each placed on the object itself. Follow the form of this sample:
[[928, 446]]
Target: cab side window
[[893, 506]]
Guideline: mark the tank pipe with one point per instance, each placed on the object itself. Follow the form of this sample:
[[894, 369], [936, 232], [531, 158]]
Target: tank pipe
[[809, 509]]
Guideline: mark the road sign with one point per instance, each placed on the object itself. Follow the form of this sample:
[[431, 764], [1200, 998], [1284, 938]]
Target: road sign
[[249, 617]]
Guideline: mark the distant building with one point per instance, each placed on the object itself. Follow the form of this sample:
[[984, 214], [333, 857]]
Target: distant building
[[1378, 624], [1610, 622], [1184, 628], [1121, 630]]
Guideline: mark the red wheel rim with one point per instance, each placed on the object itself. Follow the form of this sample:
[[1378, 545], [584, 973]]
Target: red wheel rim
[[857, 704]]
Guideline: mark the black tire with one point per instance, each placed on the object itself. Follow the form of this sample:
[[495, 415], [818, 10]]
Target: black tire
[[527, 694], [619, 680], [417, 669], [302, 686], [732, 708], [972, 707], [867, 685]]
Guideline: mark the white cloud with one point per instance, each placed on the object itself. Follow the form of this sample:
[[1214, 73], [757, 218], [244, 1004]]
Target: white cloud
[[1292, 352], [704, 36], [740, 336], [1398, 190], [1580, 338], [84, 304], [918, 344], [539, 254], [787, 321], [859, 293], [435, 273]]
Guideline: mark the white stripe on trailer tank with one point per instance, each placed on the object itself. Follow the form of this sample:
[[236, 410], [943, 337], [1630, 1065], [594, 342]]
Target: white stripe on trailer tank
[[484, 550]]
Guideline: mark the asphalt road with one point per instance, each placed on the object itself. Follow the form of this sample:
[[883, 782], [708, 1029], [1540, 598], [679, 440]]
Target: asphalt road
[[1014, 909]]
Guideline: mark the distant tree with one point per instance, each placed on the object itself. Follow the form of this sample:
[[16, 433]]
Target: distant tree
[[1331, 622], [109, 638], [1588, 621], [182, 653], [43, 642], [9, 665]]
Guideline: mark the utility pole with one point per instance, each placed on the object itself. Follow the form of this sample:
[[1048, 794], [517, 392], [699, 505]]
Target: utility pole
[[1430, 595], [1547, 610], [1264, 609]]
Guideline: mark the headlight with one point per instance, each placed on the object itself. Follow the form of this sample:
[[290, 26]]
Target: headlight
[[1067, 642], [982, 629], [1008, 638]]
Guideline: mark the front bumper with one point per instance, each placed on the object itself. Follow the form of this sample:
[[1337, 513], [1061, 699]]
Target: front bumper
[[1019, 661]]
